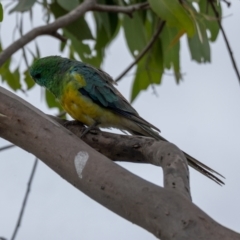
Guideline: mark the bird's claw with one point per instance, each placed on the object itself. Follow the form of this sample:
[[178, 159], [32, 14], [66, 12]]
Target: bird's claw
[[92, 129], [72, 123]]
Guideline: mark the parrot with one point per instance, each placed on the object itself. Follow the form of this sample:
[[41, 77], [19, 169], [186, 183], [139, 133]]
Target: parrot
[[88, 95]]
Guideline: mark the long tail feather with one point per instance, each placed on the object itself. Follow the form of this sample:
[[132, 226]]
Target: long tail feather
[[194, 163]]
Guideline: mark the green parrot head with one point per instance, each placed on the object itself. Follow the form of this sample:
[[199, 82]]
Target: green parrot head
[[44, 70], [49, 72]]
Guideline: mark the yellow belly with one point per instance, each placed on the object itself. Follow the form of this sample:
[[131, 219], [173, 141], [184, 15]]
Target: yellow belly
[[86, 111]]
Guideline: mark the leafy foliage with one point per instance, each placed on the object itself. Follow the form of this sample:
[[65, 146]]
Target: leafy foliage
[[174, 13], [23, 5], [78, 28], [195, 19], [1, 12]]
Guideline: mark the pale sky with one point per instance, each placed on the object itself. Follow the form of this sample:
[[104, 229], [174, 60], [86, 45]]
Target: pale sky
[[201, 116]]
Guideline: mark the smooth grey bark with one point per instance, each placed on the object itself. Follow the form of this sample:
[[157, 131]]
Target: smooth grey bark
[[139, 150], [162, 211]]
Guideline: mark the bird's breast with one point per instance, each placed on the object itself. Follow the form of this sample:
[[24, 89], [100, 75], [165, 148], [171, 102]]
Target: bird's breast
[[85, 110]]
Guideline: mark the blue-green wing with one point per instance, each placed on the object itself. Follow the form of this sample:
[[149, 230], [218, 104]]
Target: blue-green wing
[[100, 90]]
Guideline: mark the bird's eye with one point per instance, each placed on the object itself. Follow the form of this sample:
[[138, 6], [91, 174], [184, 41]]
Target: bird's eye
[[38, 75]]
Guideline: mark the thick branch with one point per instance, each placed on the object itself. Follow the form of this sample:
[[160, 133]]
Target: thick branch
[[141, 150], [165, 213]]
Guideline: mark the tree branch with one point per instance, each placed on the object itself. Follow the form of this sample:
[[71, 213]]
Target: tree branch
[[49, 29], [162, 211], [58, 36], [138, 149], [225, 39], [121, 9], [6, 147], [144, 51]]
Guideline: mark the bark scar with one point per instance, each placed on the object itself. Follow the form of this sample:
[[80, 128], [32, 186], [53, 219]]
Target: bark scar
[[80, 162]]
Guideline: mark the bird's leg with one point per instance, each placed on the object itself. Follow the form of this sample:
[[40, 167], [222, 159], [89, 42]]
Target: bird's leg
[[89, 129], [72, 123]]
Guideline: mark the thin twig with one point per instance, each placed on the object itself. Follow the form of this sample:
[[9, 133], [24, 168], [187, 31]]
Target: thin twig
[[227, 2], [226, 40], [144, 51], [7, 147], [58, 36], [25, 199], [21, 34], [121, 9]]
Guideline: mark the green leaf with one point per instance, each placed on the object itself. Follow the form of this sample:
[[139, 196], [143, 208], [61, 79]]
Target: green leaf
[[135, 33], [209, 18], [171, 50], [199, 44], [1, 12], [107, 28], [83, 50], [13, 79], [107, 19], [63, 45], [4, 71], [22, 6], [28, 80], [102, 41], [79, 28], [6, 65], [149, 70], [103, 38], [174, 14], [51, 102], [68, 5], [37, 50], [109, 22]]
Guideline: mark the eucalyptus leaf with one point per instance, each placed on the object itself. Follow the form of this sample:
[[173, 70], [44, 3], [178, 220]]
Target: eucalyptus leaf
[[103, 39], [174, 14], [149, 70], [79, 28], [82, 49], [13, 79], [199, 45], [51, 101], [171, 50], [68, 5], [1, 12], [28, 80], [135, 33], [209, 18], [22, 6]]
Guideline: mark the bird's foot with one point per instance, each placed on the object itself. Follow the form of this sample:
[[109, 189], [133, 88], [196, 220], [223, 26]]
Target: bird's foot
[[72, 123], [93, 129]]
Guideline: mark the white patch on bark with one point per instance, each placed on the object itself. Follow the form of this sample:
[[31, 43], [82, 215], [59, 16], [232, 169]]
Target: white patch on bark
[[80, 161]]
